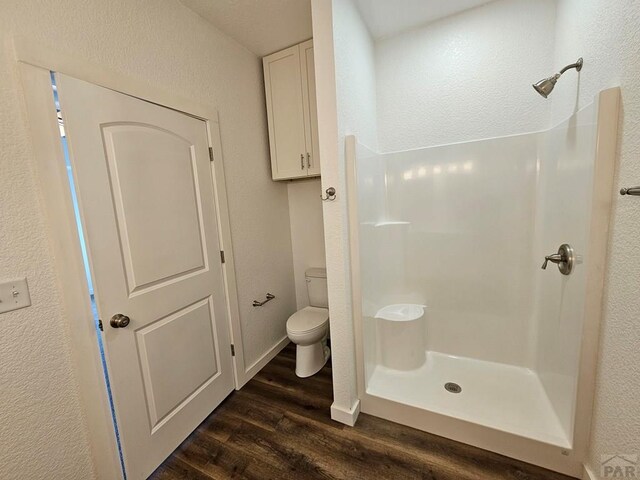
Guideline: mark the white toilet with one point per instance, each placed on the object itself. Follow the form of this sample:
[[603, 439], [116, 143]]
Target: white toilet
[[308, 327]]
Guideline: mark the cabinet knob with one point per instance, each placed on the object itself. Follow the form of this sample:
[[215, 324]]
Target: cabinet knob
[[302, 161]]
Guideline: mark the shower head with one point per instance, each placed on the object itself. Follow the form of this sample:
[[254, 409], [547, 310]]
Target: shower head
[[545, 86]]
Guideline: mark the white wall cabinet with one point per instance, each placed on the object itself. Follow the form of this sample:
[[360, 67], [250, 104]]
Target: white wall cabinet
[[290, 88]]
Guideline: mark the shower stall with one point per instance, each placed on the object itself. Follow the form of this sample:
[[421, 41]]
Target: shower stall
[[459, 331]]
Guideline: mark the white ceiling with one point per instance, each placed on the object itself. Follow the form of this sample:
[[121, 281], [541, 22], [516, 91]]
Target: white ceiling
[[389, 17], [263, 26], [266, 26]]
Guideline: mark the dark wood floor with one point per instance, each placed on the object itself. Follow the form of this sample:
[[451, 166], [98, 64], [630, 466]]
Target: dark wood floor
[[278, 427]]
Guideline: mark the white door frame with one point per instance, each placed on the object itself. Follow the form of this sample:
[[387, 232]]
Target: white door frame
[[35, 63]]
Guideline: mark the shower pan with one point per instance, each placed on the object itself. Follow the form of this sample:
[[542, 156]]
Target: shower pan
[[459, 331]]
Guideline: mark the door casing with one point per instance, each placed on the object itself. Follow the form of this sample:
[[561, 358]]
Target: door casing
[[35, 62]]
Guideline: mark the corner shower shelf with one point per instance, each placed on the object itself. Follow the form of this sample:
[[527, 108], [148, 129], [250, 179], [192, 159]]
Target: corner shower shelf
[[390, 223], [401, 312], [386, 223]]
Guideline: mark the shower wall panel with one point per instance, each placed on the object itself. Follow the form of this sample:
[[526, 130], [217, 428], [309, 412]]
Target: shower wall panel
[[567, 154], [375, 265], [452, 227]]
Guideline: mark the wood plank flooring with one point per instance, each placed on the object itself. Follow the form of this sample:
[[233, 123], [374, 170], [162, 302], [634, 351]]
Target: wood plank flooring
[[278, 427]]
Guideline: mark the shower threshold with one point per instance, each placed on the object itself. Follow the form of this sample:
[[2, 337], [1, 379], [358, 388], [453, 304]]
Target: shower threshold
[[503, 397]]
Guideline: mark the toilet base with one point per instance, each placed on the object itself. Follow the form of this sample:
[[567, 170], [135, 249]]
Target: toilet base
[[311, 358]]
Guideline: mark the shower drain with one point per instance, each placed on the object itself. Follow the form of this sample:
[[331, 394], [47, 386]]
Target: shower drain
[[452, 387]]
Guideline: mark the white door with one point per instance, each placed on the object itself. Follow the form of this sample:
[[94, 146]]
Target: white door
[[283, 87], [310, 107], [146, 197]]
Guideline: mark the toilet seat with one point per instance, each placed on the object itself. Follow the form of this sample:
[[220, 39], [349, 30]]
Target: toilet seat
[[308, 320]]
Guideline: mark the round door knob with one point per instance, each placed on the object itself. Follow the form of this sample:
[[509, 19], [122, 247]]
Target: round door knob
[[119, 321]]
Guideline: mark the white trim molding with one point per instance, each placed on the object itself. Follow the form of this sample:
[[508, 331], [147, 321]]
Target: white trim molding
[[262, 361], [348, 417], [587, 473]]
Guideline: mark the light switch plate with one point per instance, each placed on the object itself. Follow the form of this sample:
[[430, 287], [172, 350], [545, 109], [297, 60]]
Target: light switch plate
[[14, 294]]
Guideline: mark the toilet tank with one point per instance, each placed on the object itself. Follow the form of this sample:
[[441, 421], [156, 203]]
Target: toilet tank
[[317, 287]]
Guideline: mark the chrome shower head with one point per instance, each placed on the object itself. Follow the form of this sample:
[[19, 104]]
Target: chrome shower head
[[545, 86]]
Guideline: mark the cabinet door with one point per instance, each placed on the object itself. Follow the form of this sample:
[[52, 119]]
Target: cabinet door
[[310, 108], [285, 111]]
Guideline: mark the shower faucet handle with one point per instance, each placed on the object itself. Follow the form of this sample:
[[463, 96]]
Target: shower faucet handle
[[555, 258], [565, 259]]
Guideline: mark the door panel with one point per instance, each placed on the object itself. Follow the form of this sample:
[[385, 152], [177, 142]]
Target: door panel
[[146, 200], [283, 86], [311, 107], [167, 163], [178, 358]]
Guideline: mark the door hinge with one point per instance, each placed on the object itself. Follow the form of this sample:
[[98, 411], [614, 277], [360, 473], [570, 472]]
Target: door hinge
[[222, 256], [100, 325], [211, 154], [233, 350]]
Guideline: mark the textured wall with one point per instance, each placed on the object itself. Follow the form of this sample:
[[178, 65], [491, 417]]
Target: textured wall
[[307, 232], [170, 47], [477, 65], [355, 75], [607, 35], [356, 86], [345, 72]]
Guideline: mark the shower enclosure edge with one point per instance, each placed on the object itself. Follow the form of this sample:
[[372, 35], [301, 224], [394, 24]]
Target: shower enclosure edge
[[608, 111], [567, 461], [354, 254]]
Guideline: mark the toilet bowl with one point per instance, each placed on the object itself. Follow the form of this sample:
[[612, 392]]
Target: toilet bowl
[[309, 326]]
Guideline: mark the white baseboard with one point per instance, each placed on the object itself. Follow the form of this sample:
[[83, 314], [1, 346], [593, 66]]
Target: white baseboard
[[587, 474], [263, 360], [348, 417]]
